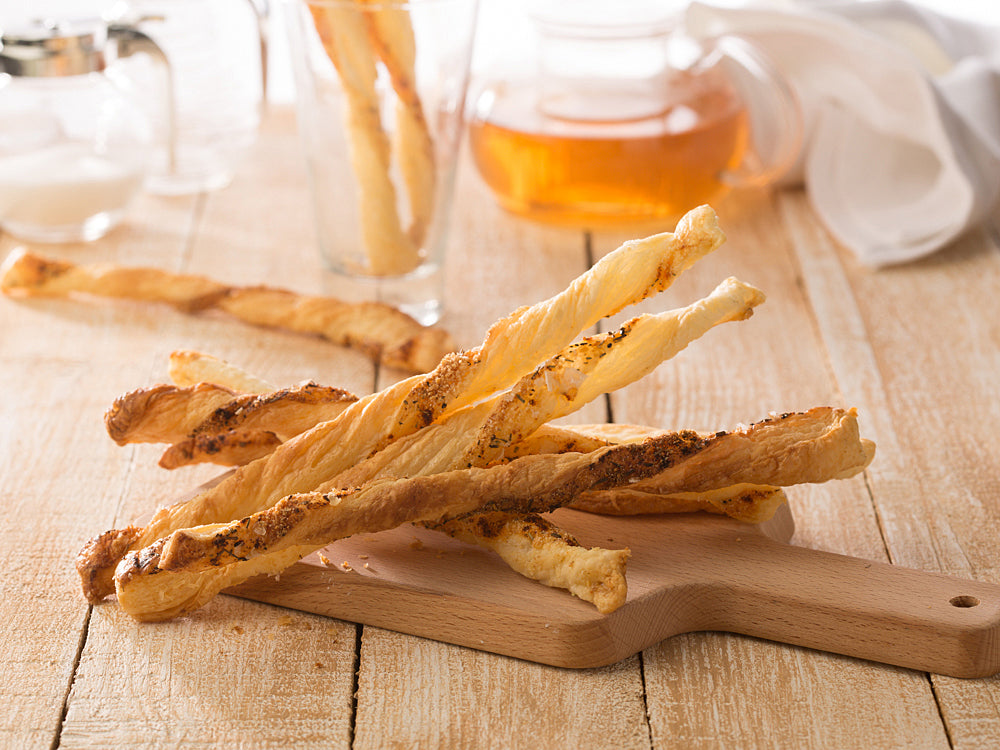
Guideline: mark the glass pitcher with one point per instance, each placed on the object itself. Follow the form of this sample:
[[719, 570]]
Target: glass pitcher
[[74, 143], [620, 116]]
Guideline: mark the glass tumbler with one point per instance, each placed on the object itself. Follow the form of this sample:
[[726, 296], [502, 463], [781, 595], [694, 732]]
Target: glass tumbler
[[380, 90], [217, 56]]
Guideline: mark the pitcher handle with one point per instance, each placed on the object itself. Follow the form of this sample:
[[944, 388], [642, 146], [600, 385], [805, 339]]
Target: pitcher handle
[[130, 41]]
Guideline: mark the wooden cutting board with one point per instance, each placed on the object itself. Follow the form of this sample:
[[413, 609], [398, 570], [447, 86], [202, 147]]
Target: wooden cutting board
[[688, 572]]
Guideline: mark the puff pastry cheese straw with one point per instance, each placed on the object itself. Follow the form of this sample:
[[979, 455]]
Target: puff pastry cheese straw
[[210, 423], [515, 344], [344, 33], [183, 571], [391, 35], [381, 331], [190, 368]]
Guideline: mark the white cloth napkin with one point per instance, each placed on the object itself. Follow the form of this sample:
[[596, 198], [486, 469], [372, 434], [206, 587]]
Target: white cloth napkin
[[901, 110]]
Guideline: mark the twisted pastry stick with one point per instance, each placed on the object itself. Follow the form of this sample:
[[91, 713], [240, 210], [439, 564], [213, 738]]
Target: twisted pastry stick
[[381, 331], [345, 37], [537, 549], [391, 35], [514, 345], [180, 573], [210, 423], [190, 368], [163, 413], [805, 447]]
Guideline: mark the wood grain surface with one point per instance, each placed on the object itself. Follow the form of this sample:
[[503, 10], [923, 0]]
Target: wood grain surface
[[915, 348]]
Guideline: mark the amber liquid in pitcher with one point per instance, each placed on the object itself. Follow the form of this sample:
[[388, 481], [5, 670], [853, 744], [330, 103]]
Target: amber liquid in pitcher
[[593, 171]]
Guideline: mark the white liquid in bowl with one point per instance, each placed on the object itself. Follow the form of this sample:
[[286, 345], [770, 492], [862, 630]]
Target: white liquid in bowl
[[55, 193]]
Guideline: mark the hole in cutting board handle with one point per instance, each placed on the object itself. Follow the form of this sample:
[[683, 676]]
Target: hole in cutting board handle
[[963, 601]]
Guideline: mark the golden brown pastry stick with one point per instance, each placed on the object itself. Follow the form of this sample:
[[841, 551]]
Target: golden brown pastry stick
[[344, 35], [171, 414], [384, 333], [212, 422], [515, 344], [190, 368], [163, 413], [183, 571], [252, 426], [814, 446], [742, 474], [230, 448], [537, 549], [391, 35], [750, 503]]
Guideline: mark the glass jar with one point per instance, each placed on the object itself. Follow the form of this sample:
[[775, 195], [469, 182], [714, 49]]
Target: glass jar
[[73, 145], [620, 116]]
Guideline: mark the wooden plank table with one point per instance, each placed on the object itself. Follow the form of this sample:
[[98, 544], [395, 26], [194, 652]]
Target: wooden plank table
[[915, 348]]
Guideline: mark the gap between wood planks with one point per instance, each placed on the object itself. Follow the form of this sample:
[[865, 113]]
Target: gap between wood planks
[[355, 684], [786, 211], [588, 250], [183, 258], [64, 709], [940, 709]]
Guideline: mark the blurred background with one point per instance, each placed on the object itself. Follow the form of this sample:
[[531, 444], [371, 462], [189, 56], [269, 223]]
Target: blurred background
[[497, 24]]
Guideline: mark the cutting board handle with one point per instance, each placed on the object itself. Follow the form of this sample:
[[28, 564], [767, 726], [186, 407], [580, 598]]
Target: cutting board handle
[[860, 608]]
